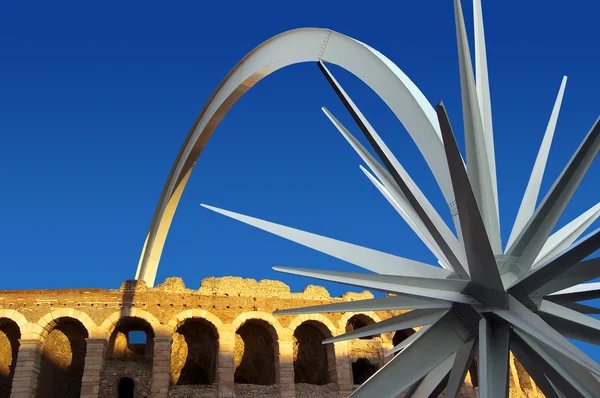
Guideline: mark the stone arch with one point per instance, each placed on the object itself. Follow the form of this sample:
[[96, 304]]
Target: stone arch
[[14, 316], [299, 45], [126, 357], [256, 348], [354, 320], [265, 316], [178, 319], [10, 334], [120, 345], [322, 319], [50, 320], [195, 347], [347, 315], [113, 319], [314, 362], [64, 334], [365, 354], [400, 335]]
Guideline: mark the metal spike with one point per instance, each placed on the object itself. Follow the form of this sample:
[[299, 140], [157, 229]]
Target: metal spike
[[530, 241], [480, 257], [535, 180], [394, 169], [478, 165], [439, 289], [370, 259], [376, 304]]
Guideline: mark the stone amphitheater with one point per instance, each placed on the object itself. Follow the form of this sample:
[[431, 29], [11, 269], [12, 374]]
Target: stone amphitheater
[[170, 341]]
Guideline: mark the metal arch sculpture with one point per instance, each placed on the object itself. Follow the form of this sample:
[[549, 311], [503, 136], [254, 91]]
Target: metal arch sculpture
[[292, 47], [485, 299]]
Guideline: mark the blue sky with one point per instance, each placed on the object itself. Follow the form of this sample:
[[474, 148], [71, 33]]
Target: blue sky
[[96, 99]]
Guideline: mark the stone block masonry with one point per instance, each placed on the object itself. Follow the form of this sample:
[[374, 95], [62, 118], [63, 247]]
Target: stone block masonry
[[221, 340]]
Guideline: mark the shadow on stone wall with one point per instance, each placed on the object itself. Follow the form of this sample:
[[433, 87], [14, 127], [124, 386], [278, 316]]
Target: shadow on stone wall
[[255, 353], [194, 353], [63, 360], [9, 348]]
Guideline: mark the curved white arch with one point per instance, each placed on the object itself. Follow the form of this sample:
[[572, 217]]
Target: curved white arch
[[292, 47]]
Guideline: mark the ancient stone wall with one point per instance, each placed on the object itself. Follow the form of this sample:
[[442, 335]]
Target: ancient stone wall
[[221, 340]]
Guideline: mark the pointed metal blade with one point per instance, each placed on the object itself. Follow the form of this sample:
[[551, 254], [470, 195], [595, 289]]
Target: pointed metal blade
[[483, 90], [479, 166], [535, 180], [431, 382], [417, 226], [564, 237], [582, 308], [440, 341], [568, 376], [399, 200], [580, 272], [480, 257], [377, 304], [522, 318], [405, 321], [530, 241], [462, 362], [570, 323], [562, 263], [396, 170], [584, 291], [535, 366], [370, 259], [439, 289], [408, 341]]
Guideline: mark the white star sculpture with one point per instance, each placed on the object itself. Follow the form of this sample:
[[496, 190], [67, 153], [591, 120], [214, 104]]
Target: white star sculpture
[[484, 298]]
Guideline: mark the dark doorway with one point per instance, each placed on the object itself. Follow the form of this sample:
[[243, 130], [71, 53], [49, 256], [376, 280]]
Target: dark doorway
[[126, 387], [362, 370], [310, 355], [255, 346], [358, 321]]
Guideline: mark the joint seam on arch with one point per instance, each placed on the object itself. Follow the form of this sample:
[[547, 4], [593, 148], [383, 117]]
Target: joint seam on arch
[[324, 45]]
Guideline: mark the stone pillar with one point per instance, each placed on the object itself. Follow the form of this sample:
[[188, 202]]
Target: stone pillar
[[225, 362], [344, 369], [27, 368], [285, 373], [95, 356], [161, 366]]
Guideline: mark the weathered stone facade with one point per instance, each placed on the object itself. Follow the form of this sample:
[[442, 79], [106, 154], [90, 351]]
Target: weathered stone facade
[[170, 341]]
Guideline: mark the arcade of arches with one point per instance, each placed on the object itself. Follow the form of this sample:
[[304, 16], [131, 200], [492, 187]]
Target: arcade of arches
[[170, 341]]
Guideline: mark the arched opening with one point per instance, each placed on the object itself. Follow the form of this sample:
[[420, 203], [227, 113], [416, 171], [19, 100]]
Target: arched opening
[[194, 353], [9, 348], [358, 321], [132, 338], [400, 336], [63, 358], [129, 356], [362, 369], [255, 353], [126, 388], [311, 357]]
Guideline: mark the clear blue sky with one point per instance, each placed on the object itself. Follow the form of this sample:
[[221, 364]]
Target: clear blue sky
[[97, 97]]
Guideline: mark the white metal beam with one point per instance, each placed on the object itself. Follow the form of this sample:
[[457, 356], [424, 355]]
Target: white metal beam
[[439, 289], [399, 322], [478, 165], [370, 259], [532, 191], [376, 304]]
